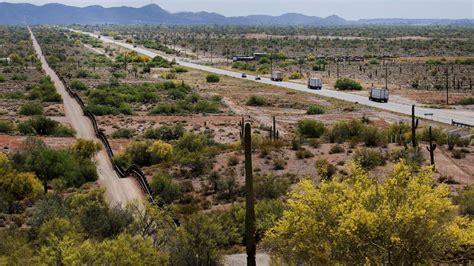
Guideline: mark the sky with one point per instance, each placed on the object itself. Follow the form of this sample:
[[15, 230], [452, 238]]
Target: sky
[[348, 9]]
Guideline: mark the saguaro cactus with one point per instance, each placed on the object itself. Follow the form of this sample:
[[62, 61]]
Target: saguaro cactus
[[414, 126], [249, 199], [431, 148], [241, 133]]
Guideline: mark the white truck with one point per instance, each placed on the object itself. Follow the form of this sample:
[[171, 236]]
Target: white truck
[[277, 76], [378, 95], [315, 84]]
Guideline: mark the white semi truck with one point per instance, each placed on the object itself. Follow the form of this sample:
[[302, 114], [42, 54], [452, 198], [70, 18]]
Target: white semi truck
[[378, 95], [277, 76], [315, 84]]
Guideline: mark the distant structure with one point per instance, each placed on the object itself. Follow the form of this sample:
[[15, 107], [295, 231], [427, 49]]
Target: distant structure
[[255, 56]]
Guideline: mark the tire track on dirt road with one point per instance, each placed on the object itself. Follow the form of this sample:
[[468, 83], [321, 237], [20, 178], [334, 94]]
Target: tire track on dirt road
[[119, 191]]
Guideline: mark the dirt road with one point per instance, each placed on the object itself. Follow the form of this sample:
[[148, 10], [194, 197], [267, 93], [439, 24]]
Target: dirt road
[[119, 191]]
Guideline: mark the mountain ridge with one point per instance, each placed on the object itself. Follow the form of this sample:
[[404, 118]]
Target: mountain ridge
[[60, 14]]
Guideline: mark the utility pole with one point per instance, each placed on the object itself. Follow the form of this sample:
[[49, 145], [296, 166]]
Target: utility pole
[[386, 76], [447, 86]]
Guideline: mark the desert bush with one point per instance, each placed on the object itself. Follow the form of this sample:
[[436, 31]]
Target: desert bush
[[43, 126], [336, 149], [2, 78], [347, 84], [78, 85], [369, 158], [44, 91], [466, 101], [310, 128], [123, 133], [325, 169], [31, 109], [465, 201], [271, 186], [6, 127], [304, 154], [256, 101], [179, 69], [372, 136], [315, 110], [233, 160], [212, 78], [438, 135], [279, 164], [166, 133], [458, 154], [163, 188], [295, 75], [342, 131]]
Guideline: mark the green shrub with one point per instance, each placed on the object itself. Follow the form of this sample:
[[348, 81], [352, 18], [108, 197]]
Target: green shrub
[[325, 169], [256, 101], [123, 133], [2, 78], [170, 75], [78, 85], [43, 126], [315, 110], [343, 131], [31, 109], [369, 158], [6, 127], [437, 133], [271, 186], [465, 200], [347, 84], [20, 77], [466, 101], [166, 133], [304, 154], [336, 149], [101, 110], [167, 109], [295, 75], [310, 128], [212, 78], [44, 91], [165, 189], [180, 69], [372, 136]]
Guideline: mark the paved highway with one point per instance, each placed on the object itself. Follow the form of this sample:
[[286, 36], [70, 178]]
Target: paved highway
[[439, 115]]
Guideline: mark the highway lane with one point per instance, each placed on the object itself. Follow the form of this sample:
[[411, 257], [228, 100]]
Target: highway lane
[[439, 115]]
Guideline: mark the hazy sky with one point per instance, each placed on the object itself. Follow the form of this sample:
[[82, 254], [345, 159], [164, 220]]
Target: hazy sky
[[349, 9]]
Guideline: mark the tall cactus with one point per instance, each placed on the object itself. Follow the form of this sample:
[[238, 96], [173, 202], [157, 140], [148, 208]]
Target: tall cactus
[[274, 134], [241, 133], [431, 148], [414, 126], [249, 200]]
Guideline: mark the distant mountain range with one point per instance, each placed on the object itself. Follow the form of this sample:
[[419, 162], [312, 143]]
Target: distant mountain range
[[58, 14]]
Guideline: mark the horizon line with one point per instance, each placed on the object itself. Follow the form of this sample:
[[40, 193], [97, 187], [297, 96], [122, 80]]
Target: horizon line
[[211, 12]]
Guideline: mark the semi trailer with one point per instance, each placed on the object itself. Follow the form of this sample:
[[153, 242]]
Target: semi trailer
[[378, 95], [315, 84], [277, 76]]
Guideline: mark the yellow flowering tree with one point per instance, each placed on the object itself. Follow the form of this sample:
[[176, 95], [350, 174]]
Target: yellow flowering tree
[[160, 150], [403, 220]]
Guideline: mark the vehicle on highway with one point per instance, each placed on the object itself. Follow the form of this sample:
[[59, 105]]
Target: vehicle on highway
[[258, 77], [378, 95], [277, 76], [134, 46], [244, 75], [315, 84]]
